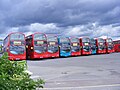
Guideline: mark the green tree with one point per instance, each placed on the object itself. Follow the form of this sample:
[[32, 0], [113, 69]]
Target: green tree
[[14, 77]]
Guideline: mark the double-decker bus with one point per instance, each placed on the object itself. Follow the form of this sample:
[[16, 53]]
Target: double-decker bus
[[85, 46], [36, 46], [75, 46], [64, 46], [101, 47], [53, 47], [14, 45], [93, 46], [116, 45], [109, 45]]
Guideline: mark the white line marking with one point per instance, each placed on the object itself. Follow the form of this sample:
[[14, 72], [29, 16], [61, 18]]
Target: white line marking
[[63, 88]]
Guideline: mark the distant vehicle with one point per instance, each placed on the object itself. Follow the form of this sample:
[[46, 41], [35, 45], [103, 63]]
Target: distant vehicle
[[65, 47], [75, 46], [93, 46], [14, 45], [53, 47], [85, 46], [1, 46], [109, 45], [116, 45], [36, 46], [101, 46]]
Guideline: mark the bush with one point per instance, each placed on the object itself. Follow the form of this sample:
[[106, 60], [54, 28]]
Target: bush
[[13, 77]]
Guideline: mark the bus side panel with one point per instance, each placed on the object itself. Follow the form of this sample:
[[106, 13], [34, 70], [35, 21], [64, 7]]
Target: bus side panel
[[75, 53], [117, 47], [85, 53], [101, 51], [17, 57], [53, 54], [38, 56]]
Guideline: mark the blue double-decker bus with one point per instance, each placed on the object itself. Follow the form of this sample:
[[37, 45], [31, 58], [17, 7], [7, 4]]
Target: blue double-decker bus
[[93, 46], [65, 47]]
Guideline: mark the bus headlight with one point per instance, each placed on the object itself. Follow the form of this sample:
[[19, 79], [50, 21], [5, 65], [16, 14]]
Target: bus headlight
[[7, 48], [31, 47], [26, 46]]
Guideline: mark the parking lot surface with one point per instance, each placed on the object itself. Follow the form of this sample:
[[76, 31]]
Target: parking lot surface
[[93, 72]]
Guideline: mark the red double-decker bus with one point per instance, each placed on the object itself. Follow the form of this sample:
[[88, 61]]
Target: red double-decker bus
[[53, 47], [36, 46], [109, 45], [116, 45], [75, 46], [101, 46], [14, 45], [85, 46]]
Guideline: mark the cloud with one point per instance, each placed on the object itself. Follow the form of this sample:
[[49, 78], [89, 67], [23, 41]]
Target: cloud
[[79, 30], [43, 27], [62, 12], [82, 17], [94, 30], [107, 30], [111, 16], [36, 27]]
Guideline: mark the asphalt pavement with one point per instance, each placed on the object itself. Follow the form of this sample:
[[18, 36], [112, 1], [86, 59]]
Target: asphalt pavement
[[93, 72]]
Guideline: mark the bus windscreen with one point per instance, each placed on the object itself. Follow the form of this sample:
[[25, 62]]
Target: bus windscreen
[[64, 40], [101, 40], [39, 37], [74, 40], [17, 49], [51, 38], [85, 40], [17, 36], [109, 40]]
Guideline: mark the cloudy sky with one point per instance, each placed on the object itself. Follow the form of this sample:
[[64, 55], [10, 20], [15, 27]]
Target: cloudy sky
[[93, 18]]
